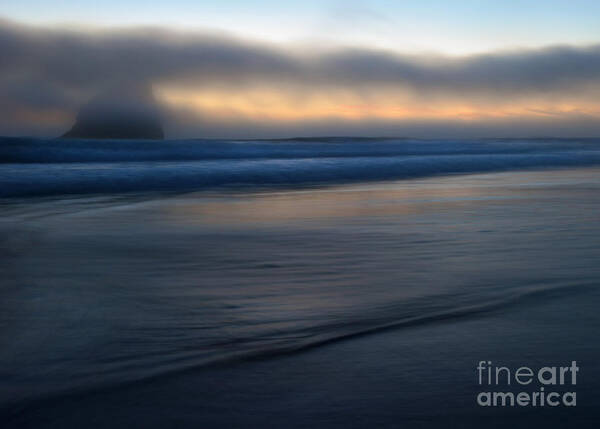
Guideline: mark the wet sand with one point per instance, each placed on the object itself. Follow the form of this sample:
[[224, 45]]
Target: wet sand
[[113, 309], [423, 376]]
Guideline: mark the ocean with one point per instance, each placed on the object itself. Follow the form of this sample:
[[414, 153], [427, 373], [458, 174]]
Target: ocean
[[129, 264], [34, 167]]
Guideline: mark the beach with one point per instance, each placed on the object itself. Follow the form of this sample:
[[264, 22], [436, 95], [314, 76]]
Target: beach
[[419, 377], [309, 215], [333, 306]]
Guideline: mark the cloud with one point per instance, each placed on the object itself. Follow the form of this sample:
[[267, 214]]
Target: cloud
[[46, 73]]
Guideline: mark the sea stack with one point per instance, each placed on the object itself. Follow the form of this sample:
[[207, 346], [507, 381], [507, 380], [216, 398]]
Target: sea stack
[[125, 111]]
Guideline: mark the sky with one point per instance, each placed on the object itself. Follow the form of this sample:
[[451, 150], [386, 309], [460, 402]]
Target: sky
[[270, 68]]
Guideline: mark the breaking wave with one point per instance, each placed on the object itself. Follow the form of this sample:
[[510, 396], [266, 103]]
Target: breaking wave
[[52, 166]]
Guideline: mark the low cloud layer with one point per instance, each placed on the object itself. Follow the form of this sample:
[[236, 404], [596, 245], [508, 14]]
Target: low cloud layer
[[219, 86]]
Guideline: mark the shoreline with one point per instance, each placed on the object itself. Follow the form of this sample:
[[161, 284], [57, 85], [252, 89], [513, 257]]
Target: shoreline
[[389, 379], [100, 299]]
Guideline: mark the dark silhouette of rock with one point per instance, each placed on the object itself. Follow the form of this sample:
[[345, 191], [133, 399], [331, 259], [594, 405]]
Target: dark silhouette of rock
[[126, 111]]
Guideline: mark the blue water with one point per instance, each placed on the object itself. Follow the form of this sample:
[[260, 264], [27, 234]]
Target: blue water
[[268, 247], [54, 166]]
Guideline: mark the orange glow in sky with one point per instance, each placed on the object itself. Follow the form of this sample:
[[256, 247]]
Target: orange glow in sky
[[280, 105]]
